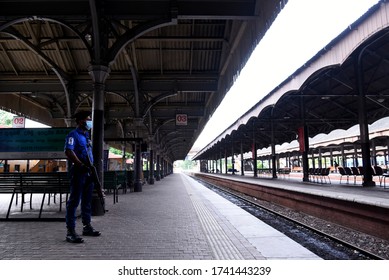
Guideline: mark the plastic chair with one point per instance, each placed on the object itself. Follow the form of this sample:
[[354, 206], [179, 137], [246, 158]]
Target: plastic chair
[[317, 173], [325, 172], [379, 173], [349, 172], [342, 173], [384, 176], [310, 173], [355, 171]]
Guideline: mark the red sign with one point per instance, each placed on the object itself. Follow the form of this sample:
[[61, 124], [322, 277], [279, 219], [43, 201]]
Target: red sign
[[181, 119], [18, 122], [300, 136]]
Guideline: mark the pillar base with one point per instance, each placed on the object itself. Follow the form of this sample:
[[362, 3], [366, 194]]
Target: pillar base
[[138, 187], [368, 184]]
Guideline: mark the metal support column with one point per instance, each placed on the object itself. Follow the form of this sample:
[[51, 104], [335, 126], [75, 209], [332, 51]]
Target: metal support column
[[355, 155], [363, 124], [232, 159], [241, 159], [387, 153], [225, 161], [374, 153], [158, 177], [162, 168], [99, 74], [221, 162], [304, 145], [151, 172], [138, 168], [320, 161], [273, 153], [255, 167], [305, 155], [344, 161]]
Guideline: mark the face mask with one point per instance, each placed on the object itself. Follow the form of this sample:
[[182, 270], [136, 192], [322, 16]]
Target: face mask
[[88, 125]]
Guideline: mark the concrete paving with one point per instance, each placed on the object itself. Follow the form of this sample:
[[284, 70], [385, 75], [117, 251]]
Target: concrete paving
[[174, 219]]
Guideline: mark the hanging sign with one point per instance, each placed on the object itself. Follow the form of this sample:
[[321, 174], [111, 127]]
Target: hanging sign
[[18, 122], [181, 119]]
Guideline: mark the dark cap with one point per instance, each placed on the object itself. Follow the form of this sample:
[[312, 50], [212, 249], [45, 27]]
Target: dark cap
[[82, 115]]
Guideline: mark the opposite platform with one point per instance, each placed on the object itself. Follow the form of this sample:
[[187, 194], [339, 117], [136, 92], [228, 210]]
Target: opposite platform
[[176, 218], [376, 195]]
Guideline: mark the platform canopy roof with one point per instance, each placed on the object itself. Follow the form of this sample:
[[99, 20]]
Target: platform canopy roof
[[345, 82], [164, 58]]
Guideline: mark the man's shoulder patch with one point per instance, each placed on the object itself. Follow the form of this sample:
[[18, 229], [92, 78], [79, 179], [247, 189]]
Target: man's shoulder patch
[[71, 141]]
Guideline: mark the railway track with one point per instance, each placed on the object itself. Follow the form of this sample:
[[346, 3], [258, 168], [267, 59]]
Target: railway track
[[318, 241]]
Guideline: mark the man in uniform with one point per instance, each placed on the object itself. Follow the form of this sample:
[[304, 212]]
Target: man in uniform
[[77, 149]]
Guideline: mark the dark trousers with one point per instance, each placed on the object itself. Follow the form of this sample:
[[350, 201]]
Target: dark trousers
[[81, 189]]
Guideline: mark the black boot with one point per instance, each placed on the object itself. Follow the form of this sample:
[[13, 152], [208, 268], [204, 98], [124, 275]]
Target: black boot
[[88, 230], [73, 237]]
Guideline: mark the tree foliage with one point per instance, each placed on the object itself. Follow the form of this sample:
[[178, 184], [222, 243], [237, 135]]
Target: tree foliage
[[6, 118], [187, 164], [119, 152]]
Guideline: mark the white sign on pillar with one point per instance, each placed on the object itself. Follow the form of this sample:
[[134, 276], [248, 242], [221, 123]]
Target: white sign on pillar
[[18, 122], [181, 119]]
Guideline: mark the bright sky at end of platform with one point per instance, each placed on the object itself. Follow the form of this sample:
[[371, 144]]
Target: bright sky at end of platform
[[299, 32], [34, 124]]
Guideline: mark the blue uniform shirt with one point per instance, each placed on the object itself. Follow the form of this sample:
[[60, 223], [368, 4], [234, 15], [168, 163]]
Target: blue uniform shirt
[[78, 141]]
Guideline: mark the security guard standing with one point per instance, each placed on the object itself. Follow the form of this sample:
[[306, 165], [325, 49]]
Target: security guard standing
[[77, 149]]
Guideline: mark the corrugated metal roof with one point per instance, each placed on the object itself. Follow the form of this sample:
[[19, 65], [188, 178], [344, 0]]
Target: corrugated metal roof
[[189, 50]]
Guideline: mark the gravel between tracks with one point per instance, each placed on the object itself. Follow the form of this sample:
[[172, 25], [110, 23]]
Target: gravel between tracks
[[372, 244]]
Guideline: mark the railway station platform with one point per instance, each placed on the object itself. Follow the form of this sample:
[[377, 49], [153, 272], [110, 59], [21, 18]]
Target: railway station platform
[[343, 202], [174, 219], [334, 187]]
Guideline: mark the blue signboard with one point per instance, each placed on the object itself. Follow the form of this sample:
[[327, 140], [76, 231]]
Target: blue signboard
[[32, 143]]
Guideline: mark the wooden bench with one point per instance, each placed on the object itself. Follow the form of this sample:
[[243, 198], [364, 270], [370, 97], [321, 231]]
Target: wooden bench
[[130, 180], [111, 183], [9, 182], [121, 178], [34, 183], [284, 171], [46, 184]]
